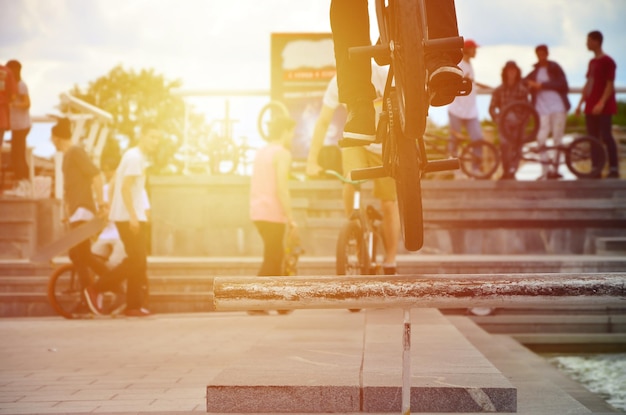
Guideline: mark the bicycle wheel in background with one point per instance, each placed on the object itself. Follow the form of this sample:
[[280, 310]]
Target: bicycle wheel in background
[[351, 254], [268, 112], [479, 159], [65, 292], [519, 122], [582, 153]]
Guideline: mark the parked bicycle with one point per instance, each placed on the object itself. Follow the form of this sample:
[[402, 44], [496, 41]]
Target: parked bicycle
[[519, 123], [360, 248], [403, 42], [478, 159]]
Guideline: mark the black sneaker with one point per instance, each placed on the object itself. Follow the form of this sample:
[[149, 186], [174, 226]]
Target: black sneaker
[[360, 128], [445, 83], [613, 175]]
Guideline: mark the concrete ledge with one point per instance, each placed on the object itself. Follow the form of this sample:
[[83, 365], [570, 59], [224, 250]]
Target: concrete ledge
[[334, 367]]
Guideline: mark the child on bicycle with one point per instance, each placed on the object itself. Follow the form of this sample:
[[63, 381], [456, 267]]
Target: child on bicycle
[[349, 21], [81, 181], [270, 202], [357, 158]]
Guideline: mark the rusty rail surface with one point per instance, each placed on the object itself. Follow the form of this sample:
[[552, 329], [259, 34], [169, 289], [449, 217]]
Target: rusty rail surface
[[419, 291]]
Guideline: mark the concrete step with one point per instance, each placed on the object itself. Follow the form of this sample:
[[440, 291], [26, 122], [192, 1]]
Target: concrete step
[[185, 284], [354, 364]]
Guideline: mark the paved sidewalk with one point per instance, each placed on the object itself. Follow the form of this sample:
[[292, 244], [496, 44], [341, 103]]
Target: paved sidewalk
[[163, 364]]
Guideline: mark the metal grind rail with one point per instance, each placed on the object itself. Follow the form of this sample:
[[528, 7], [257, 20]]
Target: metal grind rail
[[418, 291]]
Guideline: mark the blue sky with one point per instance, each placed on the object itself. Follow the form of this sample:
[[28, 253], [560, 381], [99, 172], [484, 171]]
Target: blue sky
[[226, 44]]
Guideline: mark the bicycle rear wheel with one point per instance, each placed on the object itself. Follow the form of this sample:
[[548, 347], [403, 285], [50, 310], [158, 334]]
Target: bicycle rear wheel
[[585, 157], [351, 253], [402, 161], [479, 159], [65, 293]]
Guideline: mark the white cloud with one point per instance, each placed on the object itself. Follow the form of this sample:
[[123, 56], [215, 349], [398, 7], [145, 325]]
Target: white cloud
[[226, 44]]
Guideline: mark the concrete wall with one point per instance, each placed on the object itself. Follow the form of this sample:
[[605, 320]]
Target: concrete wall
[[208, 216]]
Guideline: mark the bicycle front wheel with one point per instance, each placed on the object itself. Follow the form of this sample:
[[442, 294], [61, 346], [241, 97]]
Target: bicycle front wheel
[[402, 161], [585, 157], [351, 253], [65, 292], [409, 71], [479, 159]]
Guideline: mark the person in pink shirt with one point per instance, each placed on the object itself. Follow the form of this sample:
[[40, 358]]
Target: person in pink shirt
[[598, 98], [270, 202]]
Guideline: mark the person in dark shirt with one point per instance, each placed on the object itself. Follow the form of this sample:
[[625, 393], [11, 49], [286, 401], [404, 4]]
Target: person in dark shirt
[[81, 182]]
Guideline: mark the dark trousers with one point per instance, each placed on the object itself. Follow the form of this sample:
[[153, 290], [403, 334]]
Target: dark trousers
[[600, 127], [349, 22], [18, 154], [84, 260], [133, 269], [273, 235]]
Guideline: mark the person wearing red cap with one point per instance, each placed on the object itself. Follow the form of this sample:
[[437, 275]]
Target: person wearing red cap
[[349, 22], [463, 111], [549, 88], [598, 98]]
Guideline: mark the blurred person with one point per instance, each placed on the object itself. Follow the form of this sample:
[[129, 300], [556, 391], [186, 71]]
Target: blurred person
[[20, 127], [356, 158], [128, 211], [599, 100], [549, 88], [270, 201], [8, 90], [511, 90], [463, 111], [81, 182], [349, 22]]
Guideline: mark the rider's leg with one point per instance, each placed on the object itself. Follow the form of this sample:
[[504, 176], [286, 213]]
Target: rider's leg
[[351, 158], [445, 76], [79, 255], [557, 122], [385, 191], [542, 137], [349, 22]]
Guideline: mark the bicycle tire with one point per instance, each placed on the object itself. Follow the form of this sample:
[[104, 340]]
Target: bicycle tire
[[479, 159], [580, 156], [65, 292], [519, 122], [401, 157], [351, 258], [269, 108], [407, 60]]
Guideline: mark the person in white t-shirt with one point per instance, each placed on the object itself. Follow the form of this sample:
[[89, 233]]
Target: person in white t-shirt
[[360, 157], [128, 211], [463, 111]]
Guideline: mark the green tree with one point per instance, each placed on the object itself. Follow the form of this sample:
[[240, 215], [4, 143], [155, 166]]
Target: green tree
[[134, 97]]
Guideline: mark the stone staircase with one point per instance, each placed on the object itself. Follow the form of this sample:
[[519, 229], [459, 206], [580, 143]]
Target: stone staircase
[[186, 284]]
